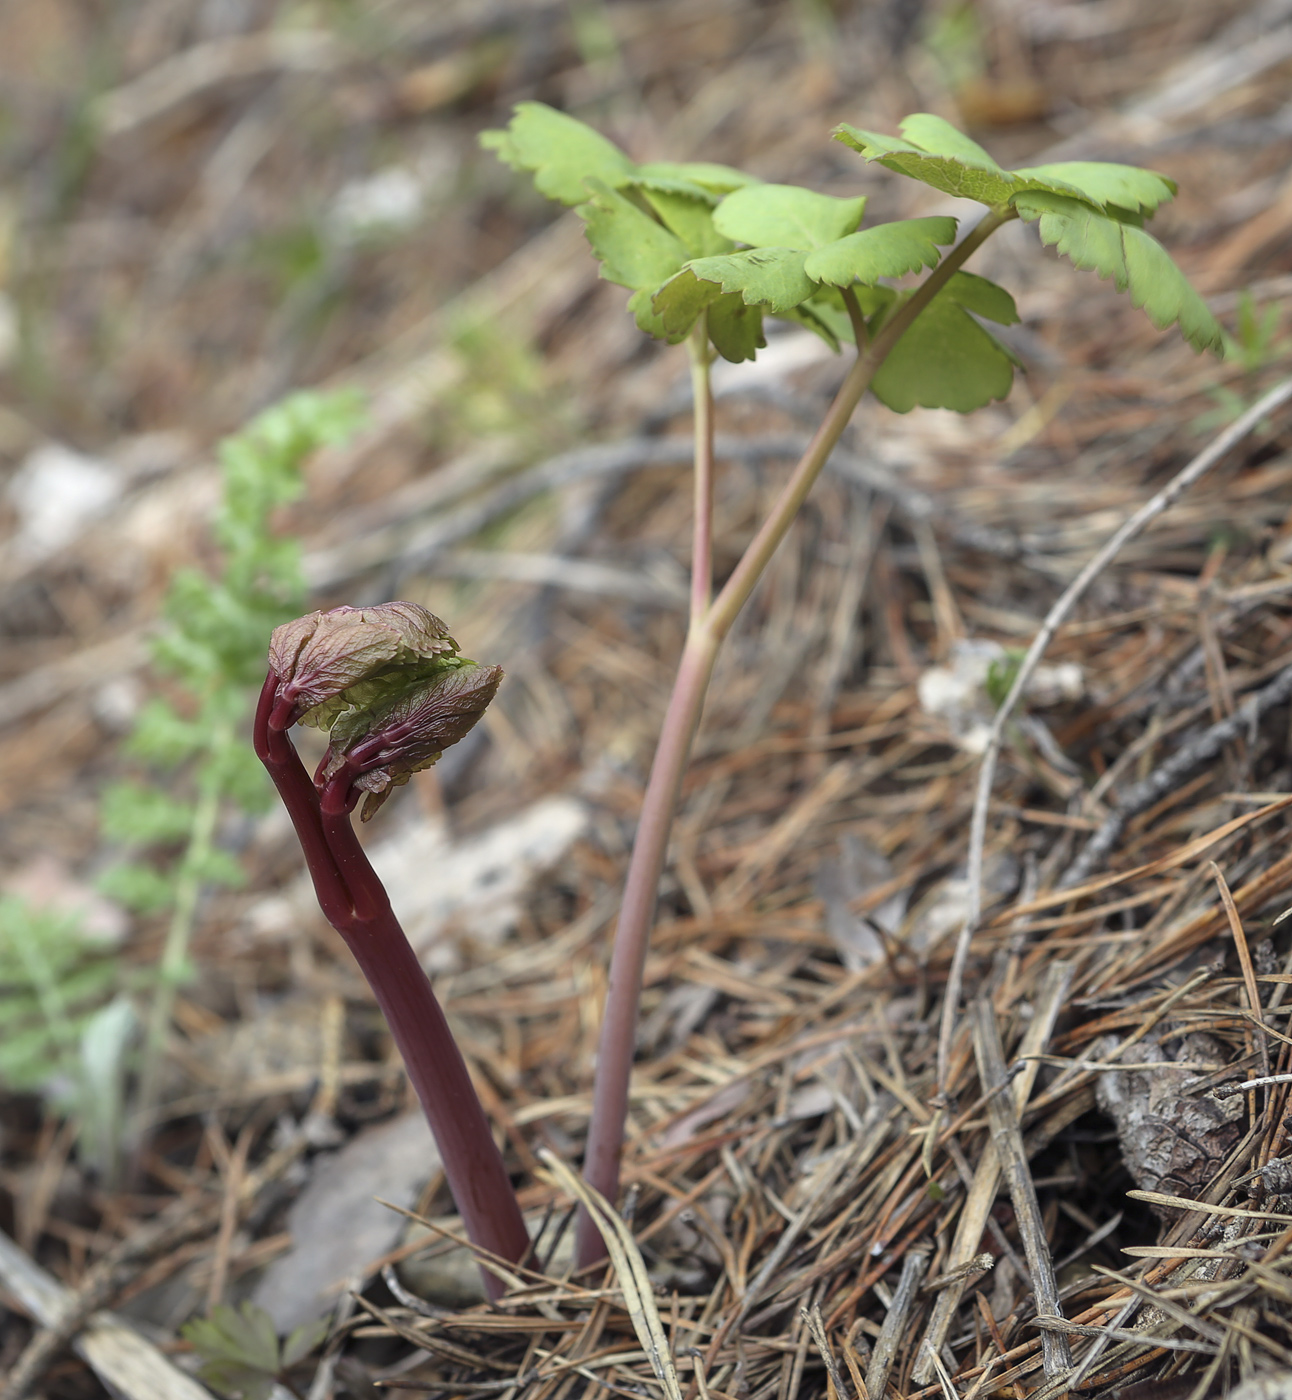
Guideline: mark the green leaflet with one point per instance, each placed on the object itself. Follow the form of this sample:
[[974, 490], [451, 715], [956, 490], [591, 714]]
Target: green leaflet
[[559, 151], [784, 216], [1122, 186], [633, 249], [690, 218], [1130, 257], [946, 359], [888, 250], [736, 329], [933, 151], [768, 277]]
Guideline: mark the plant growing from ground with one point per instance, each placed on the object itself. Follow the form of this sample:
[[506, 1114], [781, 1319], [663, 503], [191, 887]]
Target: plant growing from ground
[[241, 1354], [392, 692], [707, 253], [213, 648]]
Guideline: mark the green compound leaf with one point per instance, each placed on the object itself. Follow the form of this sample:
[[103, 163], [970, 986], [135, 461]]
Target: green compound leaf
[[1131, 258], [634, 250], [933, 151], [736, 329], [561, 152], [784, 216], [1122, 186], [243, 1335], [946, 359], [888, 250]]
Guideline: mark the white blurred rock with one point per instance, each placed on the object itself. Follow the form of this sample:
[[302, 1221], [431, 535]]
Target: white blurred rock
[[339, 1226], [958, 693], [432, 881], [57, 493]]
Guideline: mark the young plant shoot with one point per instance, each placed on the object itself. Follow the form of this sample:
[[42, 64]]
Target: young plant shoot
[[388, 686], [708, 252]]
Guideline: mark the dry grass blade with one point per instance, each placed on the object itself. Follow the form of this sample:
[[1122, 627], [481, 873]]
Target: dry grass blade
[[894, 1328], [1008, 1141], [630, 1270], [982, 1192]]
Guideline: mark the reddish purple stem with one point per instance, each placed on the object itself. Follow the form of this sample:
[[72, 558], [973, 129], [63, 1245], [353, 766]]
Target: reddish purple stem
[[355, 903]]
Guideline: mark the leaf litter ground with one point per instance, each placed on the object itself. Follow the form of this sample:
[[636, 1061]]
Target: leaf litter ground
[[808, 1216]]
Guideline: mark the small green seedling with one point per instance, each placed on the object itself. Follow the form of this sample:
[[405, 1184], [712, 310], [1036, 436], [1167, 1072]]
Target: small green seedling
[[241, 1355], [708, 253], [1255, 346]]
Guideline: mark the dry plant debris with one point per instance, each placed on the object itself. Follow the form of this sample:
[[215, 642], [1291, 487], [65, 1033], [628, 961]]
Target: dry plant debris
[[281, 195]]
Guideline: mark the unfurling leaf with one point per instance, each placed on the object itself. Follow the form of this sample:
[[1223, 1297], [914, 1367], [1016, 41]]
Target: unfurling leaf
[[318, 658], [380, 746]]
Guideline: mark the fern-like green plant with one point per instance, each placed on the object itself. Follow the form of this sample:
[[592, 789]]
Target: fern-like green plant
[[191, 742], [242, 1357], [65, 1021]]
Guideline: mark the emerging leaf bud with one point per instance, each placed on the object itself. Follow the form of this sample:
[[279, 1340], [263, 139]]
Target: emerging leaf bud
[[328, 662], [379, 746]]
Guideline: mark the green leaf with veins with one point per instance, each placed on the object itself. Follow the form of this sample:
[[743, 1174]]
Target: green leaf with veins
[[770, 277], [784, 216], [983, 298], [690, 219], [1125, 187], [1130, 257], [887, 250], [634, 250], [736, 329], [560, 152], [945, 359], [933, 151], [937, 135]]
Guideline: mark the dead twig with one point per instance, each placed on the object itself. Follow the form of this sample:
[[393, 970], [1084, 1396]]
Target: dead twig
[[1151, 509]]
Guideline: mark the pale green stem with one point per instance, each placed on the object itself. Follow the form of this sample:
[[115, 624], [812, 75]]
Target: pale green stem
[[659, 805], [702, 419]]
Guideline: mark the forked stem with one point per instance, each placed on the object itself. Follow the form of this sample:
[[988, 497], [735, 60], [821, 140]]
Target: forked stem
[[355, 902], [708, 628]]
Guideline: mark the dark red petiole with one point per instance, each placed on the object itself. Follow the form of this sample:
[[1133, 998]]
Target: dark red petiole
[[355, 903]]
